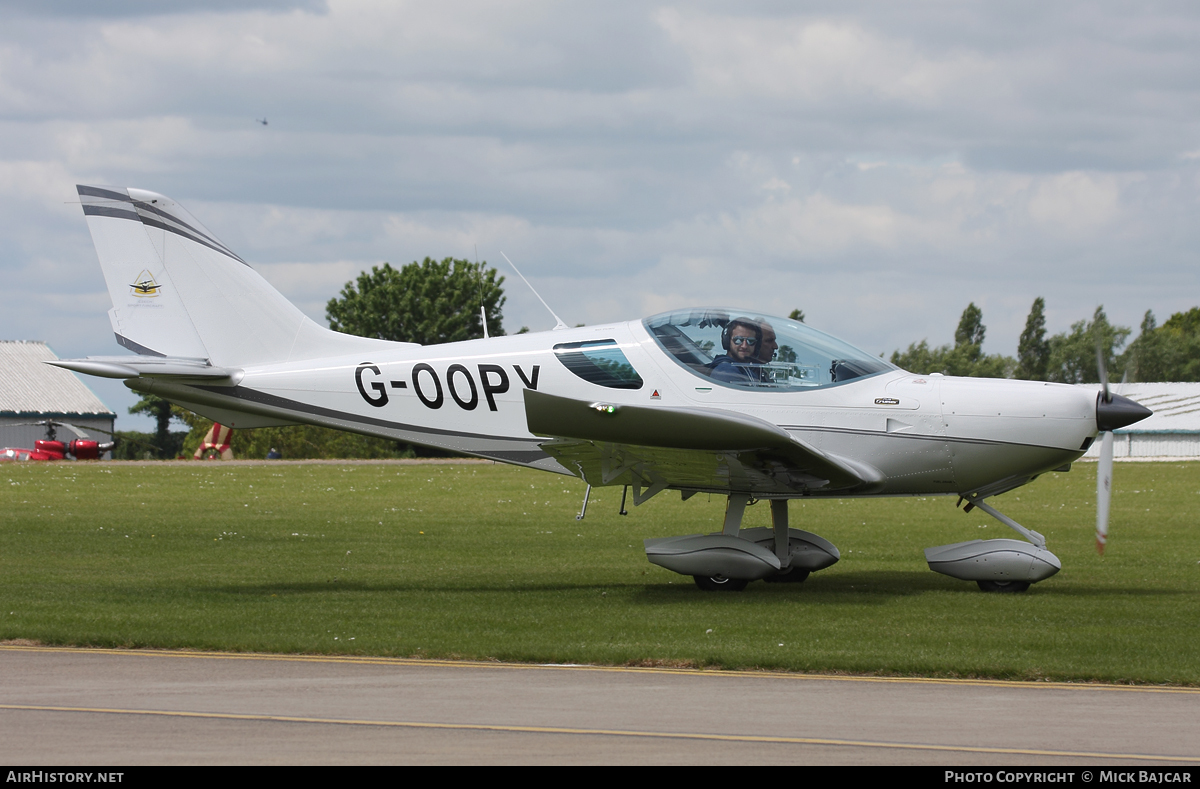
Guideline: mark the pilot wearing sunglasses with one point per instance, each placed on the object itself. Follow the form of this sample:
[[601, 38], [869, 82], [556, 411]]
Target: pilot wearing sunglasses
[[740, 340]]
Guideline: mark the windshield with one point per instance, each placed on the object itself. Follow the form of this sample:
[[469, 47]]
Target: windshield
[[742, 349]]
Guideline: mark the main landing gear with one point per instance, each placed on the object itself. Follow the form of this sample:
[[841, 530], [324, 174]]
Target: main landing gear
[[1004, 566], [733, 558]]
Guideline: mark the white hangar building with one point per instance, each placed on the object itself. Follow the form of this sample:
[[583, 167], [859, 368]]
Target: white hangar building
[[1172, 432], [31, 391]]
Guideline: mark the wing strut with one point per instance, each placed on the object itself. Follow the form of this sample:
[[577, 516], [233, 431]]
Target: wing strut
[[735, 508]]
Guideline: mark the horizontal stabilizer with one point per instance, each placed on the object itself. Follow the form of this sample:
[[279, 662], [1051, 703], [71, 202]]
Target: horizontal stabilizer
[[144, 366]]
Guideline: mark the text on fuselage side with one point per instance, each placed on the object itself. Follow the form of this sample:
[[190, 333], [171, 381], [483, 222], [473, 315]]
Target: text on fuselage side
[[427, 384]]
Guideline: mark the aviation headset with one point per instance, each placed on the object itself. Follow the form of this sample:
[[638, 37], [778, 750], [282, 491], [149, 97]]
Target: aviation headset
[[726, 333]]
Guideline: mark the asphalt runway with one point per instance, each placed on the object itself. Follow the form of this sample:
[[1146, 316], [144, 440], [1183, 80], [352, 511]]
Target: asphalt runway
[[143, 707]]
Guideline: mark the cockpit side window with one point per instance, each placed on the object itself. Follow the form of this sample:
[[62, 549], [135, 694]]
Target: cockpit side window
[[600, 362], [684, 349], [745, 350]]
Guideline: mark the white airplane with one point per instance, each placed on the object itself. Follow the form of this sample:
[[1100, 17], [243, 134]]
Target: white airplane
[[711, 400]]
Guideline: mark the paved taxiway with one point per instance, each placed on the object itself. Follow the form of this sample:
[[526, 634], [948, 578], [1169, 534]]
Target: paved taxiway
[[75, 706]]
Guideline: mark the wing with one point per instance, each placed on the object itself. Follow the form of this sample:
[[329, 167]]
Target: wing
[[698, 449]]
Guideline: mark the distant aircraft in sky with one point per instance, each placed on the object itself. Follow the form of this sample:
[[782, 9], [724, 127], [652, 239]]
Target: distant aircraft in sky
[[707, 400]]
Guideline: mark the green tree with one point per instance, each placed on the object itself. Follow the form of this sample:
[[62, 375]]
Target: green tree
[[430, 302], [970, 329], [965, 357], [1072, 358], [920, 358], [1183, 338], [1170, 352], [167, 443], [1146, 356], [1033, 350], [797, 315], [1184, 322]]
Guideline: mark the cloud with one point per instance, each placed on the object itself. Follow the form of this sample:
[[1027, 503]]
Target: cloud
[[134, 8], [817, 61], [1075, 202], [818, 225]]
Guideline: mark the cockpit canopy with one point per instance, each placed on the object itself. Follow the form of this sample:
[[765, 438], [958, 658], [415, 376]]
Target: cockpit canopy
[[743, 349]]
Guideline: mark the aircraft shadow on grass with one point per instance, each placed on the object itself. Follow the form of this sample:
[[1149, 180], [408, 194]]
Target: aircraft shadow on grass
[[883, 586], [421, 586], [873, 586], [860, 587]]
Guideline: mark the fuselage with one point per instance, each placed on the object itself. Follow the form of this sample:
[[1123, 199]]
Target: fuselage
[[917, 434]]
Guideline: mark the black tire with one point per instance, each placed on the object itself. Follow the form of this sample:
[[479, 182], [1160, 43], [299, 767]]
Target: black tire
[[719, 583], [1003, 587], [792, 575]]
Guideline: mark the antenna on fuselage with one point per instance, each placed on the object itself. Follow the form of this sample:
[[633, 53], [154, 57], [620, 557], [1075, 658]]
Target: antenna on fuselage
[[558, 321], [482, 312]]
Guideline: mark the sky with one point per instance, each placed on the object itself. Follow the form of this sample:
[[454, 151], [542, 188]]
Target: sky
[[877, 165]]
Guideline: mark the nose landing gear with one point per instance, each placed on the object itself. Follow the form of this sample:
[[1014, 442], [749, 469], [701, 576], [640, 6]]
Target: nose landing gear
[[999, 566]]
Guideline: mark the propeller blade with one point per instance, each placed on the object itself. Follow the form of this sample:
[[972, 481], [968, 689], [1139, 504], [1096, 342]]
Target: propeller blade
[[1103, 490]]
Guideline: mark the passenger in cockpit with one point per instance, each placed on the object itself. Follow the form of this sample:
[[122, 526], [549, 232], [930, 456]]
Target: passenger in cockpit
[[740, 364], [768, 345]]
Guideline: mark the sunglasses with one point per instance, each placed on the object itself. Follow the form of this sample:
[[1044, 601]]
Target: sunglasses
[[751, 341]]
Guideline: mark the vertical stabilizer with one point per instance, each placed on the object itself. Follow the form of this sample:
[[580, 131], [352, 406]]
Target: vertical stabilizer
[[178, 291], [148, 315]]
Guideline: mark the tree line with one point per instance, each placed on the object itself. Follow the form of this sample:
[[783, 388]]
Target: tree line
[[1170, 352]]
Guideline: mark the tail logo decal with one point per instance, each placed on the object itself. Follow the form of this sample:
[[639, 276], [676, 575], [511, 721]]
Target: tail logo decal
[[144, 287]]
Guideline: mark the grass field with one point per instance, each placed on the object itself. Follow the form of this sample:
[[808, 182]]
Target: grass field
[[488, 562]]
